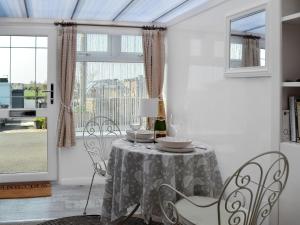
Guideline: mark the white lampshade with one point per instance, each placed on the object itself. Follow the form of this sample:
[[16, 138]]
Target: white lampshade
[[149, 107]]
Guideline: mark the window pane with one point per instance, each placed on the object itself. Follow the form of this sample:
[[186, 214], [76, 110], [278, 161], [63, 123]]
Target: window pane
[[131, 44], [236, 51], [42, 42], [97, 42], [4, 41], [4, 62], [262, 57], [80, 42], [41, 77], [109, 89], [22, 41], [4, 78], [23, 77], [23, 72]]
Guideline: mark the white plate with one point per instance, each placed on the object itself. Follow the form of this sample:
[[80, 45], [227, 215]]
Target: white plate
[[141, 134], [139, 140], [187, 149], [173, 142]]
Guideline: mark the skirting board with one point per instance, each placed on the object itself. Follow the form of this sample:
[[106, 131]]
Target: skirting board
[[81, 180]]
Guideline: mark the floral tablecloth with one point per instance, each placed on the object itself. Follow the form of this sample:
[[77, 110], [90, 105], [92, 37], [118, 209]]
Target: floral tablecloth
[[135, 174]]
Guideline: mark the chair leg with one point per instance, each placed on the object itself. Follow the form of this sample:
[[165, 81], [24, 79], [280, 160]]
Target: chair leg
[[88, 198], [130, 214]]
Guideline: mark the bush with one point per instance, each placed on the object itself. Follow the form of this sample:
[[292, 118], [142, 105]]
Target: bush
[[40, 123]]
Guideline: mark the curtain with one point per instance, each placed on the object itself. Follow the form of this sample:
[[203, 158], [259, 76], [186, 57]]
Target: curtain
[[67, 63], [251, 51], [154, 60]]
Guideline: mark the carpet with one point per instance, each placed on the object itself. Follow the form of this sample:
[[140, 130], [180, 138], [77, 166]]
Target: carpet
[[91, 220], [25, 190]]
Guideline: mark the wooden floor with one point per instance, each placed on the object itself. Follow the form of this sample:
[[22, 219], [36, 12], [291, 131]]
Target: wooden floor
[[65, 201]]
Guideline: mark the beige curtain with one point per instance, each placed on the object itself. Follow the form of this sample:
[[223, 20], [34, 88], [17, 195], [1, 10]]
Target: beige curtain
[[67, 63], [251, 52], [154, 59]]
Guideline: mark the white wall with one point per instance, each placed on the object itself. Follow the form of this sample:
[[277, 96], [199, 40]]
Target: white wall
[[232, 114], [235, 115], [75, 166]]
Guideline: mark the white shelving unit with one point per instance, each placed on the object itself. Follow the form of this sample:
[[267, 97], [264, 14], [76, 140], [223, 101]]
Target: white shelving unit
[[293, 18], [289, 204], [290, 52], [290, 84]]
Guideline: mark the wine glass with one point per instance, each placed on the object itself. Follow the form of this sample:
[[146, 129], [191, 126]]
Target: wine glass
[[135, 124]]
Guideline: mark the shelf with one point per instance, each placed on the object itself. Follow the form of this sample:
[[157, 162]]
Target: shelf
[[294, 18], [290, 84]]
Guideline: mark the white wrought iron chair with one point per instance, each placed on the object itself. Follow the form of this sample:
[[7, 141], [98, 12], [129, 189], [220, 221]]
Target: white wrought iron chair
[[98, 134], [247, 198]]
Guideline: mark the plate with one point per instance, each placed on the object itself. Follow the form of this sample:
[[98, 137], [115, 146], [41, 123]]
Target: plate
[[187, 149], [139, 140], [141, 134], [173, 142]]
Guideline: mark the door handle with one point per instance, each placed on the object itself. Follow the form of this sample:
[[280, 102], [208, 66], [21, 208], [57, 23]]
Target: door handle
[[51, 91]]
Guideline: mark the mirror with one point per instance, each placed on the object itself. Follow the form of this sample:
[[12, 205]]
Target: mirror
[[247, 40]]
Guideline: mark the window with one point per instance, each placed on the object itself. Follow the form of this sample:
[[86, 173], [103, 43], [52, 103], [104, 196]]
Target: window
[[262, 57], [23, 71], [236, 51], [109, 78]]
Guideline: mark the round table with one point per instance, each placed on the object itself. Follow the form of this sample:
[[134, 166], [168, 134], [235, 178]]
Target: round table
[[135, 173]]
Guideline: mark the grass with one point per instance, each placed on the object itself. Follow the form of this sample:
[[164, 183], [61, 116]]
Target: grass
[[23, 151], [30, 94]]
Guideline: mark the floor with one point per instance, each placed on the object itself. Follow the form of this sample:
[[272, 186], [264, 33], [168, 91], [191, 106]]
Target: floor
[[22, 148], [65, 201]]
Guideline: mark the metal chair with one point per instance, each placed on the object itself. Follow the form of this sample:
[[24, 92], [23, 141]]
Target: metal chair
[[247, 198], [98, 134]]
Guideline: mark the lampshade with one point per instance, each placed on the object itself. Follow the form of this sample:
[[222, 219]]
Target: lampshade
[[149, 107]]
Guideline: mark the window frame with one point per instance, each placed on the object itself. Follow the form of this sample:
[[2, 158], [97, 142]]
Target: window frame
[[114, 53]]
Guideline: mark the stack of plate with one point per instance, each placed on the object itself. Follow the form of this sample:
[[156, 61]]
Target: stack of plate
[[173, 144], [142, 136]]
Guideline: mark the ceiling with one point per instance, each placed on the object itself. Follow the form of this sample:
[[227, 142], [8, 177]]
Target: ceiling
[[145, 11]]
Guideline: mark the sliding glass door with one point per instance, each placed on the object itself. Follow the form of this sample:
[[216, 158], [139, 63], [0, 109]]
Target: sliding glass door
[[28, 108]]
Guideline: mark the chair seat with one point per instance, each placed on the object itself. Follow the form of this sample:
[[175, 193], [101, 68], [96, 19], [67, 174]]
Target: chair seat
[[193, 215]]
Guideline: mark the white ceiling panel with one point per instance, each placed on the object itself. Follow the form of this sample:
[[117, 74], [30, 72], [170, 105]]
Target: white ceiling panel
[[99, 9], [184, 8], [148, 10], [51, 9], [12, 8]]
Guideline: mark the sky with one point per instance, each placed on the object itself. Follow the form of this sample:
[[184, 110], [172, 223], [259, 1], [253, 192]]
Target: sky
[[21, 59]]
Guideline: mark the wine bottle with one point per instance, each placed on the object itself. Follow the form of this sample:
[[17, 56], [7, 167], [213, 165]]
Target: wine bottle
[[160, 128]]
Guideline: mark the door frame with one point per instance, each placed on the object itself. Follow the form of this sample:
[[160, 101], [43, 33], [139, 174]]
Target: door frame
[[51, 112]]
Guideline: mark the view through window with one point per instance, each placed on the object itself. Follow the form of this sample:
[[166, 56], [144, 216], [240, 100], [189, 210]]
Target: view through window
[[23, 71], [110, 78], [23, 78]]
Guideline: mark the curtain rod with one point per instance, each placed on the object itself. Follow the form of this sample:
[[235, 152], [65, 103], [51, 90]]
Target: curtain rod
[[109, 25], [246, 36]]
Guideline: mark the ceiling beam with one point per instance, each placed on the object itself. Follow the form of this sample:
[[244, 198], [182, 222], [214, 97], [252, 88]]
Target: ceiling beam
[[171, 10], [75, 9], [26, 8], [122, 10]]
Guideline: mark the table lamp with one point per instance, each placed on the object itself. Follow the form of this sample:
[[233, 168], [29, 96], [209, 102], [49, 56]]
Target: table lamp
[[149, 108]]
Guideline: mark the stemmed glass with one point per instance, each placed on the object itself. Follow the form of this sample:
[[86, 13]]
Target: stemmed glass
[[135, 124]]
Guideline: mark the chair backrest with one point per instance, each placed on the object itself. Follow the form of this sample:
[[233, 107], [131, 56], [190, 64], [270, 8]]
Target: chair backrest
[[251, 192], [98, 134]]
